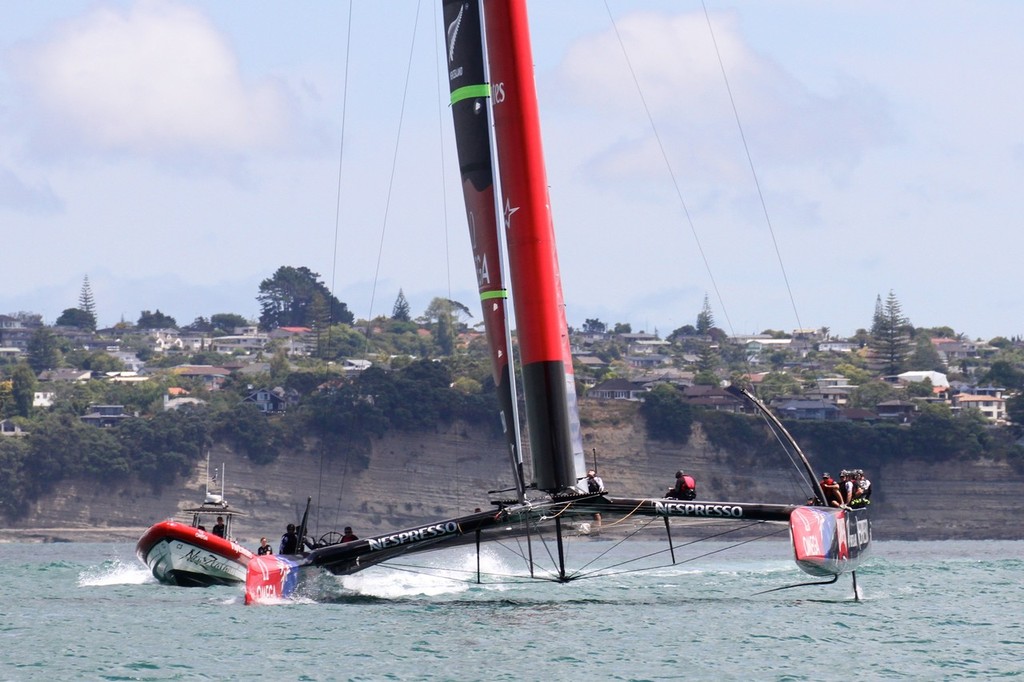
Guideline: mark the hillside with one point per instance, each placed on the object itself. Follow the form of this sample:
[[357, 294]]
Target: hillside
[[415, 477]]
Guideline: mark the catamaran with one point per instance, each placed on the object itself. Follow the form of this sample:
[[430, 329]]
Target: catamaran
[[497, 128]]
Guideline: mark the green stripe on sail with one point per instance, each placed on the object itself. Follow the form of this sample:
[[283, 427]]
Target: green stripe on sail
[[497, 293], [471, 91]]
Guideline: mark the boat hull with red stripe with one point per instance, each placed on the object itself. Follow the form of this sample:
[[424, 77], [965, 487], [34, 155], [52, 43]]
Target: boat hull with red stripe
[[183, 555]]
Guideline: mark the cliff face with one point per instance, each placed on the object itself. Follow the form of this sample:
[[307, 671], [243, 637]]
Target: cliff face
[[412, 478]]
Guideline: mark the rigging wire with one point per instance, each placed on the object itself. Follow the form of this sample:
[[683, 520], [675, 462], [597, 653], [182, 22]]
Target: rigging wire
[[750, 162], [668, 166], [439, 54], [682, 201], [334, 269], [394, 164]]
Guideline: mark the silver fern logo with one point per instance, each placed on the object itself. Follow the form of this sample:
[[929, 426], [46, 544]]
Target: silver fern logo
[[453, 32]]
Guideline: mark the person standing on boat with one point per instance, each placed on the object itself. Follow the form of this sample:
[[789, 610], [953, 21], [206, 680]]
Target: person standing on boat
[[594, 482], [264, 548], [289, 541], [218, 528], [685, 487]]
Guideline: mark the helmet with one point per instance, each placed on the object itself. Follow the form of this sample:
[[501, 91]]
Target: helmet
[[679, 473], [826, 475]]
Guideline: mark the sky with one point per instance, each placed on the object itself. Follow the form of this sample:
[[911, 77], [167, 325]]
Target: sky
[[791, 161]]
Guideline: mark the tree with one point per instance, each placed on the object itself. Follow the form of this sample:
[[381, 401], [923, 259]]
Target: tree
[[594, 326], [227, 322], [287, 299], [445, 312], [705, 320], [667, 415], [921, 389], [43, 352], [925, 356], [87, 304], [76, 317], [23, 386], [200, 324], [870, 393], [1005, 374], [156, 320], [400, 311], [890, 340]]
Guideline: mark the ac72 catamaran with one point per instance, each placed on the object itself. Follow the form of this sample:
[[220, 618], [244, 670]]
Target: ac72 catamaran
[[490, 70]]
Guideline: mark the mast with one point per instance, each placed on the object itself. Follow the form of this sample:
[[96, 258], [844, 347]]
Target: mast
[[470, 93], [548, 382]]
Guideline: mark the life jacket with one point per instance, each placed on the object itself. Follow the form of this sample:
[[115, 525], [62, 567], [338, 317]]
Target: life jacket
[[686, 488], [593, 486]]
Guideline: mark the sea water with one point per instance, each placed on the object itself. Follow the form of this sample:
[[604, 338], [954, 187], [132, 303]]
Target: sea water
[[927, 611]]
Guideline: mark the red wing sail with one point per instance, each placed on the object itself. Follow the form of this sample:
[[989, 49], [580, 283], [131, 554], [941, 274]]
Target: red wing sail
[[548, 382]]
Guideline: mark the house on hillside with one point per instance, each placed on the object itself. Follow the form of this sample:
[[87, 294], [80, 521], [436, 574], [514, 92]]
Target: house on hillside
[[65, 375], [244, 344], [294, 340], [272, 400], [937, 378], [617, 389], [105, 415], [992, 406], [715, 398], [901, 411], [9, 428], [212, 377], [802, 408]]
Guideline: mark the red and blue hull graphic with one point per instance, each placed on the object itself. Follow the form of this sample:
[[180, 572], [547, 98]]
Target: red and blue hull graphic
[[829, 541], [270, 578]]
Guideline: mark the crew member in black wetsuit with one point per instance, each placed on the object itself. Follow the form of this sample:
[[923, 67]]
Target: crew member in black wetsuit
[[289, 541], [264, 547], [218, 528]]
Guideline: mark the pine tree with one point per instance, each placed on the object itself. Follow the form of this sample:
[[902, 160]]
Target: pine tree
[[400, 311], [86, 302], [890, 336], [705, 320]]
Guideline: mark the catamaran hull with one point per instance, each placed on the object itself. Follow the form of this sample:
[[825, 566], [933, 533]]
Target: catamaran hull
[[179, 554], [828, 542]]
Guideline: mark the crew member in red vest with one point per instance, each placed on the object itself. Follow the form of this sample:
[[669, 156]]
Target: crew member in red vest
[[684, 489]]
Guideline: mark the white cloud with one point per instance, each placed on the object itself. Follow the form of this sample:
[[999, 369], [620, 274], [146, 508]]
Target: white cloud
[[155, 78]]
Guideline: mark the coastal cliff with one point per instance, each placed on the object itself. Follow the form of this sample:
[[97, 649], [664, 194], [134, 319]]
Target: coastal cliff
[[410, 478]]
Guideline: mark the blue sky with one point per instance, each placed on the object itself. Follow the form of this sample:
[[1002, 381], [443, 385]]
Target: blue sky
[[177, 153]]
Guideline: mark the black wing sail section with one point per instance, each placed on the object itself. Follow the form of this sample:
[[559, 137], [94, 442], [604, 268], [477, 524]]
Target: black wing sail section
[[470, 95]]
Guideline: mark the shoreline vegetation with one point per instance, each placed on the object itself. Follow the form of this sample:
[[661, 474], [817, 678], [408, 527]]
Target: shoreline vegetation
[[309, 382]]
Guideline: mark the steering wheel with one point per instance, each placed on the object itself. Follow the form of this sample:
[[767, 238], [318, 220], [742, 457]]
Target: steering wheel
[[331, 538]]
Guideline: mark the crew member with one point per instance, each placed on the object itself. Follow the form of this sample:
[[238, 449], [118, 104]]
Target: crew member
[[289, 541], [264, 547], [685, 487], [218, 528], [832, 493], [594, 482], [349, 536]]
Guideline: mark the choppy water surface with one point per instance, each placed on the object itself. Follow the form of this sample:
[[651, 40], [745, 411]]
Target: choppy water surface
[[938, 610]]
